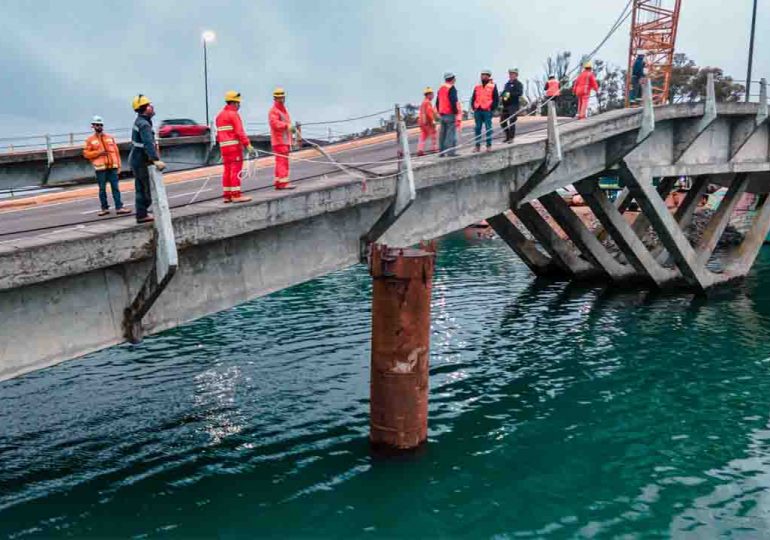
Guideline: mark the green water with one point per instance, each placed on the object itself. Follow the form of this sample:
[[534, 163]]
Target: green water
[[556, 411]]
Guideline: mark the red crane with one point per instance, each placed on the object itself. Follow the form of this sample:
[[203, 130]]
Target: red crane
[[653, 34]]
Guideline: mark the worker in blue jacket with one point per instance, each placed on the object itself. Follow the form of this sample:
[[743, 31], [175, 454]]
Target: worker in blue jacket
[[143, 153], [637, 74]]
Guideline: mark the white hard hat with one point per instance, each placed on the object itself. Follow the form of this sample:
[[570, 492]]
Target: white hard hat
[[97, 120]]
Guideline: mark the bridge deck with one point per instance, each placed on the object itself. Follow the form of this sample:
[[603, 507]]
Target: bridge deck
[[202, 186], [79, 279]]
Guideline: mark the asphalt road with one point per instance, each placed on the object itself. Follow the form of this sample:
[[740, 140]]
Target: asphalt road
[[206, 186]]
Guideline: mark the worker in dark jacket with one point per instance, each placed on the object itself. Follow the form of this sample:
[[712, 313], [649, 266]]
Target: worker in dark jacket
[[511, 99], [637, 74], [484, 102], [143, 153]]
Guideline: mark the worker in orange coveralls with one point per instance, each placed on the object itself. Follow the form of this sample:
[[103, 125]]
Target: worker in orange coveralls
[[232, 140], [582, 87], [427, 123], [280, 138]]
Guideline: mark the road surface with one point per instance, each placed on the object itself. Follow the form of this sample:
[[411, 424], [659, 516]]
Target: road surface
[[204, 184]]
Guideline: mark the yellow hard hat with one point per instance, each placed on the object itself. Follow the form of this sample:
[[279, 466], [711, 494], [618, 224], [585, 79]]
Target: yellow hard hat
[[232, 95], [139, 101], [428, 90], [279, 92], [588, 65]]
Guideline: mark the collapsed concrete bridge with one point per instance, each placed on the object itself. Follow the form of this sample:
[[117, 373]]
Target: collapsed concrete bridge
[[66, 294]]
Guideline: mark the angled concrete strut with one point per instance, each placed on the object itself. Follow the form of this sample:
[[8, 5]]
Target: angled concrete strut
[[539, 263], [553, 158], [666, 227], [405, 192], [164, 265], [621, 232]]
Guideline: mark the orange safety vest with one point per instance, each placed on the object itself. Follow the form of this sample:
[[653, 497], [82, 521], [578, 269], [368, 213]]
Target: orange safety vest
[[98, 143], [444, 105], [552, 88], [484, 96]]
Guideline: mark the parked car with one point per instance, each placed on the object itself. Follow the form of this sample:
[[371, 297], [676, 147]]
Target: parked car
[[181, 127]]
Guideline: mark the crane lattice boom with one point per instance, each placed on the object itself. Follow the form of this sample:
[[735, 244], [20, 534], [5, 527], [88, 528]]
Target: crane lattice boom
[[653, 34]]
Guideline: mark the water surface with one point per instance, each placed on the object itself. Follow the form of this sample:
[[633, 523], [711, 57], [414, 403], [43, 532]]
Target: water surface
[[556, 410]]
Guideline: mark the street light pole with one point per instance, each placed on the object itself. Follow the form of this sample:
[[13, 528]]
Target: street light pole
[[751, 51], [207, 37]]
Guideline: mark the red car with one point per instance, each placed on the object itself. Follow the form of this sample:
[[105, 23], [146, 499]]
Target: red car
[[181, 127]]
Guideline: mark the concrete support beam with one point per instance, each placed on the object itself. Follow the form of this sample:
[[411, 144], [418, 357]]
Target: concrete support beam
[[641, 223], [666, 227], [620, 231], [742, 259], [540, 264], [744, 128], [623, 200], [683, 214], [559, 249], [686, 209], [721, 218], [590, 247], [553, 158], [686, 133]]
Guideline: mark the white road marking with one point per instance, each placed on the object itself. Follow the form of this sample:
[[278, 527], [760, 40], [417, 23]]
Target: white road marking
[[186, 194]]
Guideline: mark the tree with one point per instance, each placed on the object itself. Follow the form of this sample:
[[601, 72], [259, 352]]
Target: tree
[[611, 81], [688, 82], [558, 66]]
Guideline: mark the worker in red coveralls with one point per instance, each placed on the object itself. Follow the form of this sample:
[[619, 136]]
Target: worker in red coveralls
[[232, 140], [582, 87], [427, 122], [280, 138]]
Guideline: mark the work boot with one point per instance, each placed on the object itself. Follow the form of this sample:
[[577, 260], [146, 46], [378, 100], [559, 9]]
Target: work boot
[[477, 149], [122, 211], [103, 212], [489, 148], [285, 185], [227, 200], [240, 199], [145, 219], [420, 153]]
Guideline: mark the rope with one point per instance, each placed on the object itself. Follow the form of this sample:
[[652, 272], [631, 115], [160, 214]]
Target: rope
[[346, 119]]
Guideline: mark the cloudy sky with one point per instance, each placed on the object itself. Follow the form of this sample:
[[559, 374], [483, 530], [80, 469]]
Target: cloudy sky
[[63, 61]]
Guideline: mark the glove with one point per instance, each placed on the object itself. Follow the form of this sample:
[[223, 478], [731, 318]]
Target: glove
[[251, 151], [159, 165]]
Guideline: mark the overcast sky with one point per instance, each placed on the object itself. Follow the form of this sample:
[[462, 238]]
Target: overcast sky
[[64, 61]]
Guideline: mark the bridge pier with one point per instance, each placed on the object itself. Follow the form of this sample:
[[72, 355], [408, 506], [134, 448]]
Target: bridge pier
[[401, 292]]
